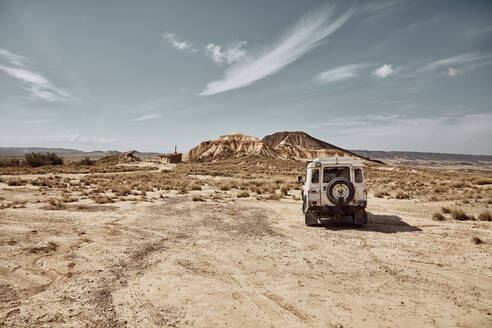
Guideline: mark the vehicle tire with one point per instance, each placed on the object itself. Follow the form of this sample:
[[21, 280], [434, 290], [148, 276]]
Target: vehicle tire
[[310, 219], [340, 191], [304, 205]]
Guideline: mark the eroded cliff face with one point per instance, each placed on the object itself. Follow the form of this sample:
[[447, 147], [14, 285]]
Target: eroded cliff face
[[229, 146], [293, 145]]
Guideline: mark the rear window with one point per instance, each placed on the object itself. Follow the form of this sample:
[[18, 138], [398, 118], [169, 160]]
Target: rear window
[[358, 175], [329, 173], [315, 177]]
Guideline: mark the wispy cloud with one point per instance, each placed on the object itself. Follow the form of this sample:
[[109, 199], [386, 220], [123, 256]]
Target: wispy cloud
[[453, 61], [37, 121], [341, 73], [77, 138], [181, 45], [378, 6], [146, 117], [302, 38], [38, 85], [383, 71], [417, 25], [229, 54], [12, 58]]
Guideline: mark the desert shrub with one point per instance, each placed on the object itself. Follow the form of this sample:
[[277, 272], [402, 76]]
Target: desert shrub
[[402, 195], [16, 182], [196, 186], [284, 190], [484, 181], [242, 194], [40, 159], [381, 194], [102, 199], [485, 216], [55, 204], [122, 191], [477, 240], [10, 162], [445, 210], [439, 190], [85, 161], [437, 216], [460, 215], [274, 196]]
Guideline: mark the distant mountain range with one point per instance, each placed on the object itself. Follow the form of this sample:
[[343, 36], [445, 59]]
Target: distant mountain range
[[413, 155], [296, 145]]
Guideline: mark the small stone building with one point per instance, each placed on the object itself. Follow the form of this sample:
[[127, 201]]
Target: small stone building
[[171, 158]]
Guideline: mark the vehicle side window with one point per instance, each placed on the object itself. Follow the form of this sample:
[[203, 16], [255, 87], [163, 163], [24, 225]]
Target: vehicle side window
[[358, 175], [315, 177]]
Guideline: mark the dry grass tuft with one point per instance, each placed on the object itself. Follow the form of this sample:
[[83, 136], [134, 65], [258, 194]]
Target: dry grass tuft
[[445, 210], [460, 215], [242, 194], [55, 204], [438, 216], [102, 199], [485, 216], [477, 241]]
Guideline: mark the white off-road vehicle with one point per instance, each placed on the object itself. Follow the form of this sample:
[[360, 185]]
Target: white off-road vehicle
[[334, 189]]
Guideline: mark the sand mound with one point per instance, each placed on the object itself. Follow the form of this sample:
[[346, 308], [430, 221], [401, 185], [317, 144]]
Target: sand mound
[[230, 146]]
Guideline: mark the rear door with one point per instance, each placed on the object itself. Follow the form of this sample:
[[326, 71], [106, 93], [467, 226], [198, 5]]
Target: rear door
[[328, 174]]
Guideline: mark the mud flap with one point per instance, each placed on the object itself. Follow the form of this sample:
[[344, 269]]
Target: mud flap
[[360, 217], [310, 219]]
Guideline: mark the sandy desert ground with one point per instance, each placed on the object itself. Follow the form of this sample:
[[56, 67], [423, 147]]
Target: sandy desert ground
[[178, 260]]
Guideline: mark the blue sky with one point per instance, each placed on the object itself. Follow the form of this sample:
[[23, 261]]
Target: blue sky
[[380, 75]]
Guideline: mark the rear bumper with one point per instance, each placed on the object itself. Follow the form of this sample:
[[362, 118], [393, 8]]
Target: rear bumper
[[334, 211]]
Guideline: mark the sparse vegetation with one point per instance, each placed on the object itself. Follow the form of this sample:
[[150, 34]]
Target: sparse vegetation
[[86, 161], [485, 216], [477, 241], [460, 215], [242, 194], [438, 216], [41, 159]]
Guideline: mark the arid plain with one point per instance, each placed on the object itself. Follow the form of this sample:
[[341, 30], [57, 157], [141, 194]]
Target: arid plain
[[224, 244]]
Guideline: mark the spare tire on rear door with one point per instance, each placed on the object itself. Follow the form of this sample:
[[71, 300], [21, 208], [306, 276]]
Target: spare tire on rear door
[[340, 191]]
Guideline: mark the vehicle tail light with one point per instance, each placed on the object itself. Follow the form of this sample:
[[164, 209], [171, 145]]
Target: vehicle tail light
[[365, 190]]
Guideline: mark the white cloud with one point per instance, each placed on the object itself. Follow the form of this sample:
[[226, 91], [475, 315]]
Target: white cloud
[[229, 54], [77, 138], [12, 58], [146, 117], [38, 85], [457, 60], [384, 71], [453, 71], [340, 73], [181, 45], [36, 121], [302, 38]]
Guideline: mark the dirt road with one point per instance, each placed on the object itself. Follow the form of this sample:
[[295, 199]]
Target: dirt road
[[248, 263]]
